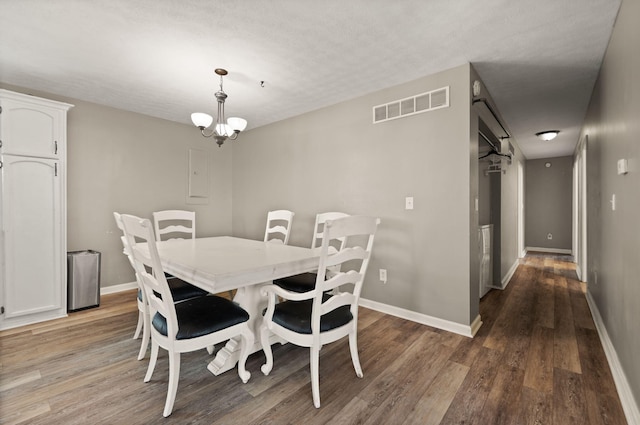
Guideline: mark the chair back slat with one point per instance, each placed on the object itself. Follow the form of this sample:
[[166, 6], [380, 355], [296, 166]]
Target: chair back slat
[[174, 224], [347, 254], [339, 279], [344, 298]]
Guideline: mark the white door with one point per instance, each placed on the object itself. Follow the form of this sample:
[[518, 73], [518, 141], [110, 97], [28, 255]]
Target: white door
[[31, 214]]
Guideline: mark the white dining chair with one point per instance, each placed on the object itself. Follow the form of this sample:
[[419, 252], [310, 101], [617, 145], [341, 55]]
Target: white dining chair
[[316, 317], [278, 227], [181, 327], [180, 291], [305, 281], [176, 224], [143, 312]]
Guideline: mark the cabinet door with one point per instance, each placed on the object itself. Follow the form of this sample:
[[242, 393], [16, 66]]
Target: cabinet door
[[31, 129], [31, 220]]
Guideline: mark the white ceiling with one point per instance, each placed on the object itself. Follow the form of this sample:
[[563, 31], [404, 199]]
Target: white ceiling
[[538, 58]]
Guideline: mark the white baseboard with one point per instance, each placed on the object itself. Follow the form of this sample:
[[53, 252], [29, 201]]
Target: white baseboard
[[629, 405], [507, 278], [549, 250], [118, 288], [446, 325]]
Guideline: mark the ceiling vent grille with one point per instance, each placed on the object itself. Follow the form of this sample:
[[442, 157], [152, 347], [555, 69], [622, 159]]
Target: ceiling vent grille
[[417, 104]]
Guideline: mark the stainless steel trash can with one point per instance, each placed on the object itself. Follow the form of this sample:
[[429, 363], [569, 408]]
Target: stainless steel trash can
[[83, 279]]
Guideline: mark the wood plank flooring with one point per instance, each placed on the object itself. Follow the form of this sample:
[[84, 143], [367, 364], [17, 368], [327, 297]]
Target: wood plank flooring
[[537, 359]]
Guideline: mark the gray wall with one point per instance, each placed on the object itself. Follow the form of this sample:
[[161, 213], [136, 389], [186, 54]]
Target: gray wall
[[131, 163], [335, 159], [548, 200], [613, 237]]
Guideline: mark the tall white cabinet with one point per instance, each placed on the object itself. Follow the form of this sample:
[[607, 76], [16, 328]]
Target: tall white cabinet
[[33, 136]]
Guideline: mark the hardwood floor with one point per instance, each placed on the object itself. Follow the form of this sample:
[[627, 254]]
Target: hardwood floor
[[537, 359]]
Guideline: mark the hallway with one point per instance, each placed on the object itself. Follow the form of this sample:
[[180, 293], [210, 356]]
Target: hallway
[[552, 368]]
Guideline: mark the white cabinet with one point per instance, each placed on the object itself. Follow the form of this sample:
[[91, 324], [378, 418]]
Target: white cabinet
[[33, 209]]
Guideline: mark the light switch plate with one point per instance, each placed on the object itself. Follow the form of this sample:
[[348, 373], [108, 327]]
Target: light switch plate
[[408, 203], [623, 166]]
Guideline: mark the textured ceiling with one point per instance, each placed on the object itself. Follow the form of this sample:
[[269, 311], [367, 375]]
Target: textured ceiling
[[538, 58]]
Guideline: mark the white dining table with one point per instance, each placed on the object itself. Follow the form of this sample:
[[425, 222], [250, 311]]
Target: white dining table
[[219, 264]]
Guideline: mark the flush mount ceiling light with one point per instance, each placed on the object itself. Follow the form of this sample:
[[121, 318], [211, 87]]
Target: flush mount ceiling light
[[224, 129], [548, 135]]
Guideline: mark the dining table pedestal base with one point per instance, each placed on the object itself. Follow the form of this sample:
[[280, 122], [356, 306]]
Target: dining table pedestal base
[[249, 298]]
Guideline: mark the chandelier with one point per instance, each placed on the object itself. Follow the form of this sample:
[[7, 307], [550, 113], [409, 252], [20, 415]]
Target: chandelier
[[223, 129]]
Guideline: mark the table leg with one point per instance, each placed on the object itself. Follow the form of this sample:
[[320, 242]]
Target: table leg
[[253, 302]]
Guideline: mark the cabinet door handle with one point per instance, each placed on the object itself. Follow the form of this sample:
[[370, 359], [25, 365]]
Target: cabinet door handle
[[56, 169], [56, 147]]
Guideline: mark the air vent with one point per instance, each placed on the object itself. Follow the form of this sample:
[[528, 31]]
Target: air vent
[[423, 102]]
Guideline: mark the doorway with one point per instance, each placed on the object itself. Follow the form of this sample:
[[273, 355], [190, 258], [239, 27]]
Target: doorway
[[580, 209], [490, 201]]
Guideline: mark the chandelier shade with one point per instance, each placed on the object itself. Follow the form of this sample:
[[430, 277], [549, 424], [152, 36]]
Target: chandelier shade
[[223, 129], [201, 120]]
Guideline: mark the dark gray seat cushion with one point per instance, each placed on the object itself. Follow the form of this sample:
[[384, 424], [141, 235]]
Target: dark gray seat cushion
[[202, 316], [298, 283], [296, 316], [181, 290]]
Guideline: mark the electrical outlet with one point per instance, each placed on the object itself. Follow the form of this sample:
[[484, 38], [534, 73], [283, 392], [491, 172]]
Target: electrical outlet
[[383, 275], [549, 236]]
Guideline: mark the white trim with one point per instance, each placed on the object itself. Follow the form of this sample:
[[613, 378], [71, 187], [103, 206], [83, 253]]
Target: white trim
[[475, 325], [30, 319], [631, 410], [446, 325], [507, 278], [550, 250], [118, 288]]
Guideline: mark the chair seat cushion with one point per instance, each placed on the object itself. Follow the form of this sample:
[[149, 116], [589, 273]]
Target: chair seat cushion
[[296, 316], [202, 316], [181, 290], [298, 283]]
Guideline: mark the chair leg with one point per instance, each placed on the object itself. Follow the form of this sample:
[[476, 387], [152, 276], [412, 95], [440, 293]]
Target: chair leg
[[353, 346], [146, 336], [315, 375], [264, 340], [174, 376], [247, 343], [139, 326], [152, 361]]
